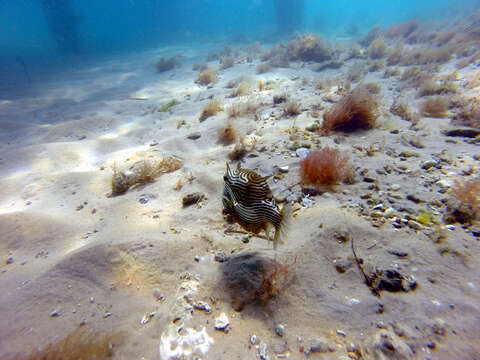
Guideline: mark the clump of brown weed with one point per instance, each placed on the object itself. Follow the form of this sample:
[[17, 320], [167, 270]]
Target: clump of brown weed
[[291, 108], [206, 77], [142, 172], [227, 134], [324, 167], [464, 202], [435, 107], [356, 110], [243, 146], [212, 108]]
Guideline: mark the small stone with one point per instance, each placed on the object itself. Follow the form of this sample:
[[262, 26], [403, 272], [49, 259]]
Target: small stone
[[428, 164], [340, 332], [353, 302], [307, 202], [450, 227], [395, 187], [310, 191], [312, 127], [414, 198], [280, 330], [202, 306], [79, 207], [302, 152], [196, 258], [193, 198], [9, 261], [194, 136], [278, 99], [54, 313], [106, 315], [352, 348], [439, 327], [253, 339], [397, 252], [414, 225], [222, 323], [381, 325], [389, 213], [475, 230], [220, 256], [246, 239], [283, 169], [342, 265], [92, 300], [154, 143], [465, 132], [320, 346], [158, 295]]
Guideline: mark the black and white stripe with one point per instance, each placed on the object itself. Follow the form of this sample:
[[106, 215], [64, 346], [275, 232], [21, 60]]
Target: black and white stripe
[[247, 197]]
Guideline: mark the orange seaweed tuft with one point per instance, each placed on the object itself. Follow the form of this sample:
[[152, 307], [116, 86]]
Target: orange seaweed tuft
[[324, 167]]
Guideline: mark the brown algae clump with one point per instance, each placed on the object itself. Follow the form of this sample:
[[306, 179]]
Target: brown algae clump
[[251, 278], [142, 172]]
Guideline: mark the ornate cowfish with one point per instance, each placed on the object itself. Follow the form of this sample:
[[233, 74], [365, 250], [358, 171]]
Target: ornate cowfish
[[248, 199]]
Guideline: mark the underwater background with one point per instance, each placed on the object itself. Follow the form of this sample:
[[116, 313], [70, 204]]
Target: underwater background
[[255, 179], [37, 35]]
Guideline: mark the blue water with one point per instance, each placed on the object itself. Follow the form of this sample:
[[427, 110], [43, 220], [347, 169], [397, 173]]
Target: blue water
[[38, 34]]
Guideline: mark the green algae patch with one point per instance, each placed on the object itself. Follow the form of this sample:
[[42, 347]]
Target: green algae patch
[[168, 106]]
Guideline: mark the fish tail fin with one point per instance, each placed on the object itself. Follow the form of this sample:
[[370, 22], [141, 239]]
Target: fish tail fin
[[281, 232]]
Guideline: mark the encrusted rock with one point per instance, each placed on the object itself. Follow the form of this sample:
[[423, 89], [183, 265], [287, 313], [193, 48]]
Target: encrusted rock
[[193, 198]]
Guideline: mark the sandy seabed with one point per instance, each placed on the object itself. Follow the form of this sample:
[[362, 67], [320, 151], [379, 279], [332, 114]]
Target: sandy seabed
[[149, 272]]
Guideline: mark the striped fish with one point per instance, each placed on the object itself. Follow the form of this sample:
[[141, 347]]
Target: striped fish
[[248, 199]]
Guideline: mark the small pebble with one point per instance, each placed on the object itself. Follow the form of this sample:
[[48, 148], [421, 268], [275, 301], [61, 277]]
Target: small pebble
[[253, 339], [202, 306], [320, 346], [353, 302], [428, 164], [280, 330], [222, 323], [302, 152], [194, 136], [340, 332], [54, 313], [220, 256], [158, 295]]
